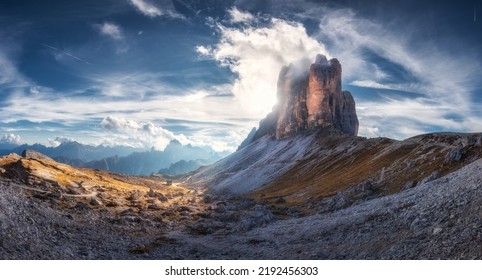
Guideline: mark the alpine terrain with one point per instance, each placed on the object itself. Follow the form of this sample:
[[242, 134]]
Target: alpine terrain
[[302, 185]]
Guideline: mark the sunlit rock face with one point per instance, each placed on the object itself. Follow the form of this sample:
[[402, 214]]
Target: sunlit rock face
[[308, 101]]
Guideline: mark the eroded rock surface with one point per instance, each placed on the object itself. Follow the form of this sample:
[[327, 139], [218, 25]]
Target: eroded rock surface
[[310, 101]]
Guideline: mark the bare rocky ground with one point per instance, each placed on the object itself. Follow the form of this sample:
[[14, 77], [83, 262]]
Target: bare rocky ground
[[439, 219]]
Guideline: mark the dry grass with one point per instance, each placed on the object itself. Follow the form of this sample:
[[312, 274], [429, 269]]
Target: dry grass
[[389, 164], [113, 190]]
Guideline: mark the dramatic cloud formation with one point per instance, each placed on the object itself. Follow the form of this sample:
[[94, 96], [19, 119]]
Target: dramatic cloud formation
[[205, 115], [147, 135], [213, 82], [421, 68], [256, 54], [405, 75]]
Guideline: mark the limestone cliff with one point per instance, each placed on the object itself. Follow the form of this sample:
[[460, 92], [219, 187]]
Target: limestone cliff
[[309, 101]]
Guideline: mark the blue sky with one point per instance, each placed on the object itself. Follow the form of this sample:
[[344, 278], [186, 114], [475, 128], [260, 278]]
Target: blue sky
[[141, 73]]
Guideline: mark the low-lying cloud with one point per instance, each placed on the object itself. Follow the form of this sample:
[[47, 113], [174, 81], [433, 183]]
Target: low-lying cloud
[[11, 138], [146, 134], [59, 140]]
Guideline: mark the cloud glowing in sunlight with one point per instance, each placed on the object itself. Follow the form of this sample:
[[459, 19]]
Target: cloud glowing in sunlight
[[256, 53]]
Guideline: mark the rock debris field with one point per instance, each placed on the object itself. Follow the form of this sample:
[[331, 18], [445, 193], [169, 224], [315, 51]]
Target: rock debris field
[[440, 219]]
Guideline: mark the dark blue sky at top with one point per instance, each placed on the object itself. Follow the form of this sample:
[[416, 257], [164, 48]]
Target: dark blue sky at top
[[165, 45], [168, 45], [57, 47]]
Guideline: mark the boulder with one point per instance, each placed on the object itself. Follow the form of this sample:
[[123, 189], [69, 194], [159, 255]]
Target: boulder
[[456, 154], [31, 154]]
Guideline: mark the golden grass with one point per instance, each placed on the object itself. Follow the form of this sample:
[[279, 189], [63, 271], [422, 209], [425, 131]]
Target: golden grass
[[399, 162], [115, 188]]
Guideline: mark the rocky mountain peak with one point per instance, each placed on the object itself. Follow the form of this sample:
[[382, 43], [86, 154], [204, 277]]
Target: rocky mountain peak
[[312, 100], [321, 59]]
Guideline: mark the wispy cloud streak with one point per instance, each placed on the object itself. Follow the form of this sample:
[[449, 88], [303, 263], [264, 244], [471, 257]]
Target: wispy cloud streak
[[66, 53]]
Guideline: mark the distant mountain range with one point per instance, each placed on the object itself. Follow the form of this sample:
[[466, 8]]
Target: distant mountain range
[[126, 160], [183, 166], [72, 150], [146, 163]]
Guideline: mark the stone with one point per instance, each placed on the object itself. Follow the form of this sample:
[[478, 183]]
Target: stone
[[220, 209], [135, 196], [162, 198], [31, 154], [280, 200], [456, 154], [154, 207], [361, 191], [55, 194], [95, 202], [207, 199], [409, 185], [309, 101], [437, 230], [151, 193], [257, 217], [435, 175], [81, 206], [334, 203], [112, 204]]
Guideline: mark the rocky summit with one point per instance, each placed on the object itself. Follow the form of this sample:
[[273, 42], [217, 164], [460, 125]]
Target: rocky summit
[[310, 100]]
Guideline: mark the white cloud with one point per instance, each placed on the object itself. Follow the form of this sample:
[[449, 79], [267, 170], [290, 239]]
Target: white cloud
[[257, 53], [111, 30], [203, 50], [237, 16], [428, 69], [150, 10], [144, 134], [146, 8], [431, 72], [138, 97], [147, 135], [11, 138], [116, 123], [57, 141], [433, 69], [377, 85]]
